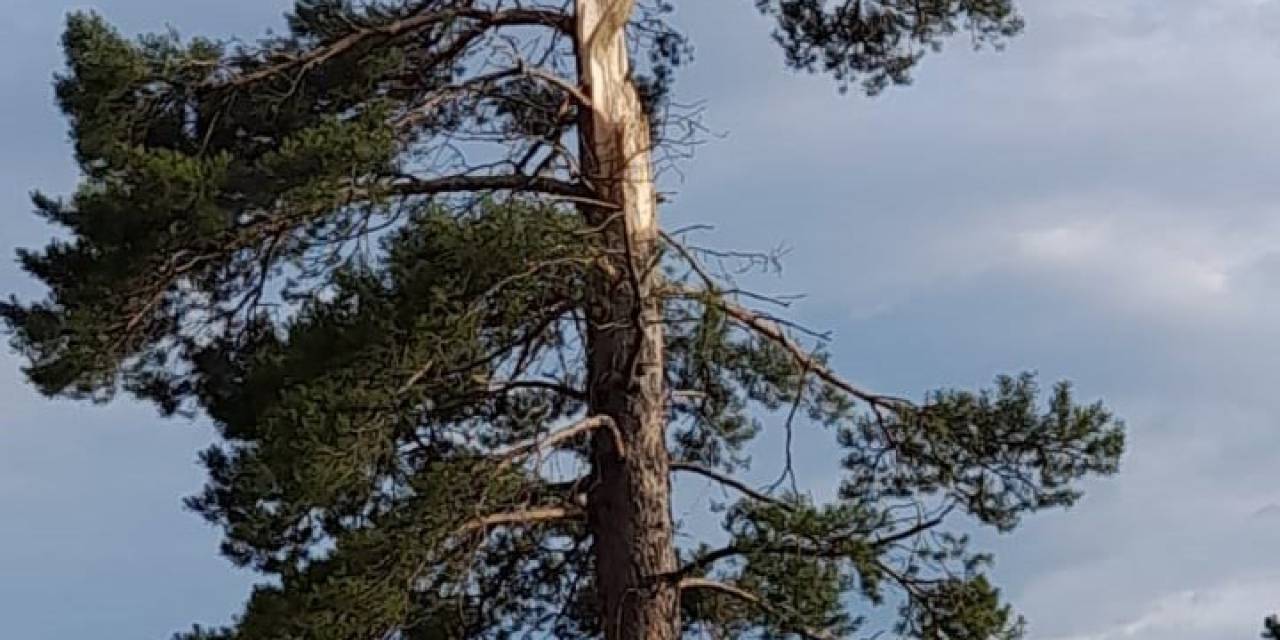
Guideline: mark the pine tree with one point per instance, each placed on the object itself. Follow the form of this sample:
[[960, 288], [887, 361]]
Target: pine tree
[[406, 256]]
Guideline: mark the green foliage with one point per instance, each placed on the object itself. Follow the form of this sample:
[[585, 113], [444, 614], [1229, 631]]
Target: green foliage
[[252, 239], [391, 370], [993, 452], [880, 42]]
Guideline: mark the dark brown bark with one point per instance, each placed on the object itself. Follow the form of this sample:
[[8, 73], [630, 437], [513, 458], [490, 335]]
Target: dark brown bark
[[629, 509]]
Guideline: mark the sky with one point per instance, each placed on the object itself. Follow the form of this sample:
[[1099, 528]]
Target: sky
[[1098, 203]]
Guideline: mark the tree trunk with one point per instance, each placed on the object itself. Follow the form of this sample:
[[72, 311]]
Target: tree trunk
[[629, 508]]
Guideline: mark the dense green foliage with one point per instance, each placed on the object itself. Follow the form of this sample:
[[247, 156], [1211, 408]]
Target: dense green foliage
[[880, 42], [285, 239]]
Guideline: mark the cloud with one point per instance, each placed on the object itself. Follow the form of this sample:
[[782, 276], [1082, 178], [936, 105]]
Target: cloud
[[1098, 202], [1222, 611], [1152, 258]]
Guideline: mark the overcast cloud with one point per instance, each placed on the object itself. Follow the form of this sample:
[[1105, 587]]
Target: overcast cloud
[[1099, 202]]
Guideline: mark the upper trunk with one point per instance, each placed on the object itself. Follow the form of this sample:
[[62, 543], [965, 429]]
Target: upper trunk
[[629, 505]]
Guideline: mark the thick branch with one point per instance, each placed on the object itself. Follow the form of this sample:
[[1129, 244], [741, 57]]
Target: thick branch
[[729, 481], [758, 602], [514, 454], [510, 182], [502, 386], [405, 26], [565, 85], [522, 517]]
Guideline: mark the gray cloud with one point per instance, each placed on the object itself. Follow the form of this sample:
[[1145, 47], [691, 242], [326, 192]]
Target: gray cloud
[[1098, 202]]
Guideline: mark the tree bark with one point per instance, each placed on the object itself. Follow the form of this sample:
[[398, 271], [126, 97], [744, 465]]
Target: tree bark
[[629, 508]]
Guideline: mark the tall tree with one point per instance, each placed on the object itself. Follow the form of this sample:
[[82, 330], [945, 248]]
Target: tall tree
[[407, 257]]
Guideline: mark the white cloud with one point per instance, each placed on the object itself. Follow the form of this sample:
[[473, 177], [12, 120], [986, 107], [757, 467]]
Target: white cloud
[[1148, 258], [1218, 612]]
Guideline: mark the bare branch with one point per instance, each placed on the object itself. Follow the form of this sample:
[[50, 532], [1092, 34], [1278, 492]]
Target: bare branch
[[509, 182], [917, 529], [756, 601], [501, 386], [561, 83], [405, 26], [789, 470], [729, 481], [524, 516], [692, 260], [423, 109], [770, 329], [513, 455]]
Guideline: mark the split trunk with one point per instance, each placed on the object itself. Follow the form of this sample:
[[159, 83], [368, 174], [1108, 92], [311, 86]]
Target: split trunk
[[629, 510]]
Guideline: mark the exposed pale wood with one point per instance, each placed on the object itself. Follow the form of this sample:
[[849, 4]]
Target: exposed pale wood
[[522, 517], [515, 454], [629, 506]]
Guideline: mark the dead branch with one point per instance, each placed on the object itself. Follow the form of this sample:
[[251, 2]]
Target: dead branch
[[405, 26], [423, 109], [556, 80], [524, 516], [692, 260], [502, 386], [514, 454]]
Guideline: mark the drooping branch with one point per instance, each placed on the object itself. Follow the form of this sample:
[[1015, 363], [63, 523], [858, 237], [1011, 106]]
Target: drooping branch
[[739, 593], [397, 28], [729, 481], [770, 329]]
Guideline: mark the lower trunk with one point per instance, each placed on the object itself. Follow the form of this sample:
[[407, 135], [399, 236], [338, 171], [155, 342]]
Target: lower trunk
[[629, 507]]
